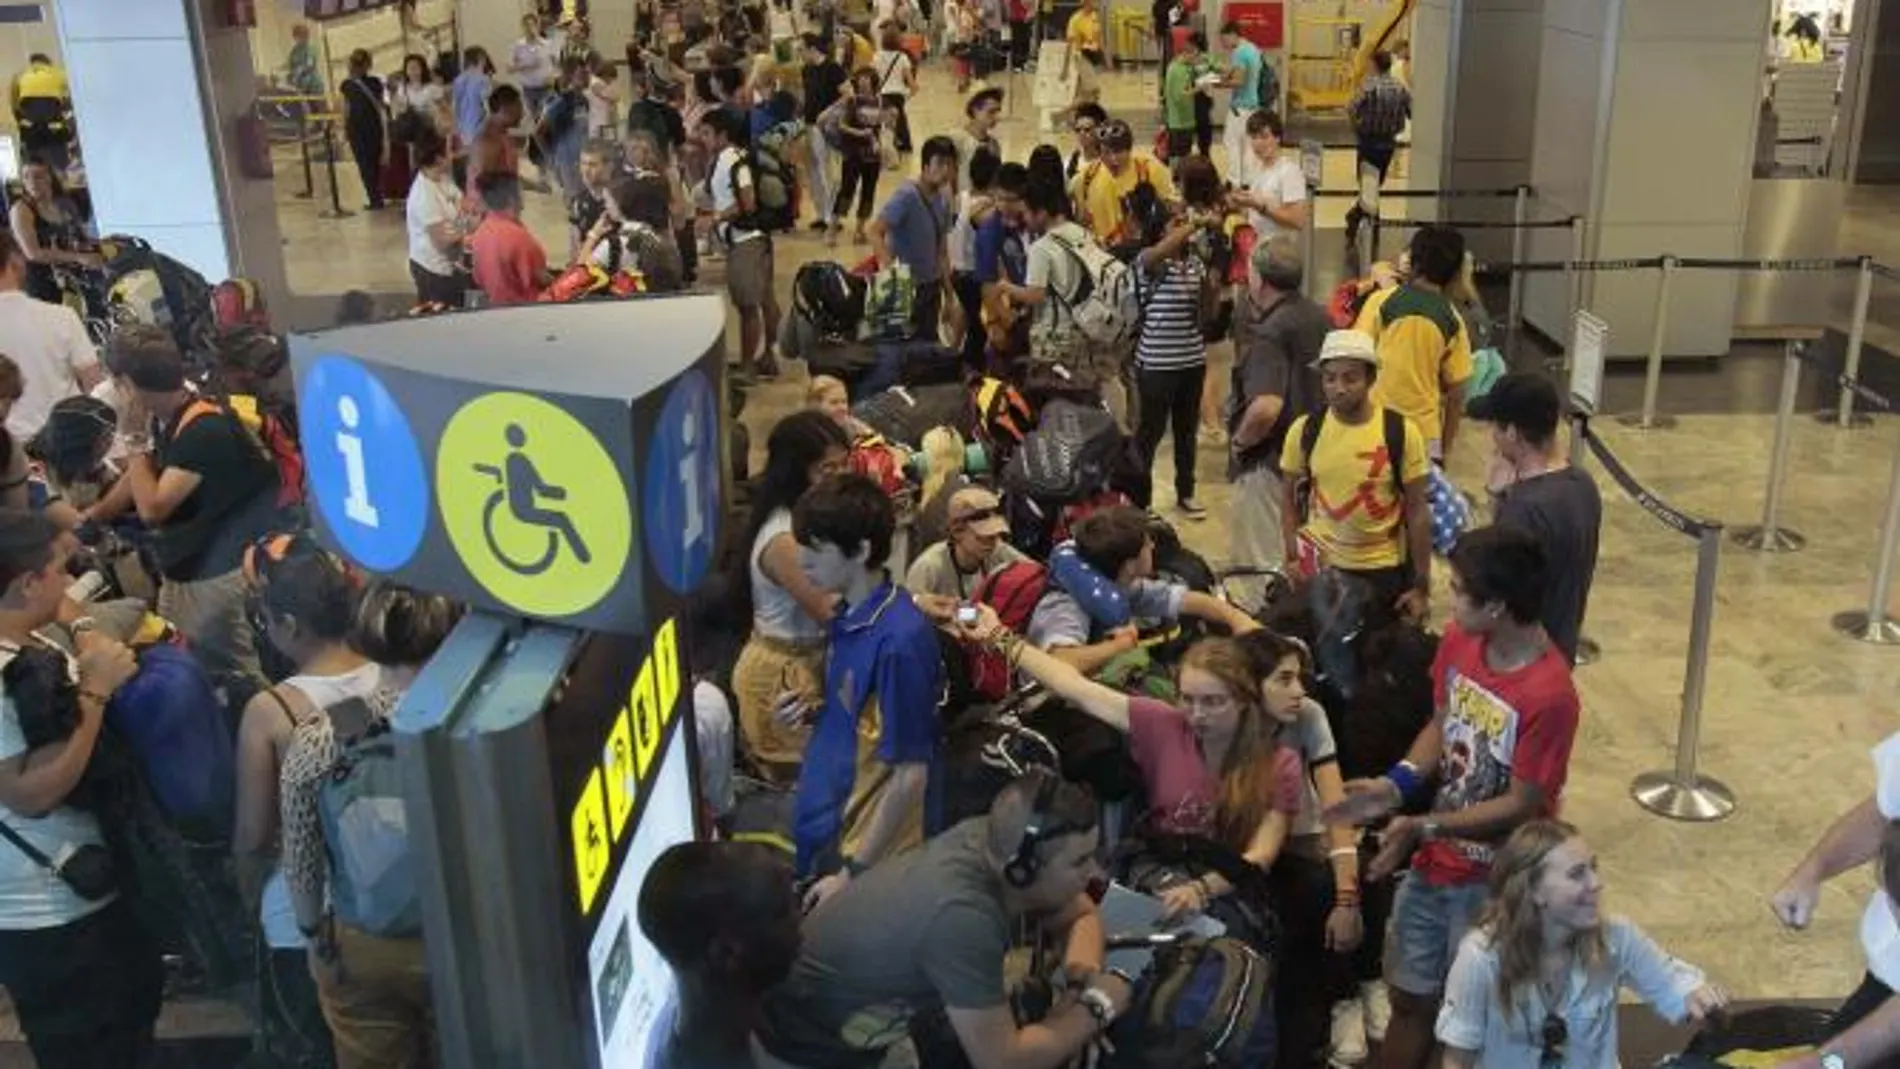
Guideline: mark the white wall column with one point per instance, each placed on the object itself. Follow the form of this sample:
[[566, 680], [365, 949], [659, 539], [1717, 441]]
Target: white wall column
[[158, 87]]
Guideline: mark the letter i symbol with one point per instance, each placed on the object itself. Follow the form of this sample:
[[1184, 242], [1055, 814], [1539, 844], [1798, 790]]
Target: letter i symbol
[[356, 500], [689, 478]]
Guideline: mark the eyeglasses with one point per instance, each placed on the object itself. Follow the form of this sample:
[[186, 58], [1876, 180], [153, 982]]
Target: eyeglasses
[[1556, 1038]]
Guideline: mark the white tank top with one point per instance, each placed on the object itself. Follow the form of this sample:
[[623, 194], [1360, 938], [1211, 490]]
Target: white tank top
[[775, 613], [274, 912]]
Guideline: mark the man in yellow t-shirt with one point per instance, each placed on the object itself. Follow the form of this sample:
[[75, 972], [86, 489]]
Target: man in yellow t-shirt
[[1103, 187], [1358, 516], [1424, 346]]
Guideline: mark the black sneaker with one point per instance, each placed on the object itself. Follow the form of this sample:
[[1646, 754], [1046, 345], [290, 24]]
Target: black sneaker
[[819, 226]]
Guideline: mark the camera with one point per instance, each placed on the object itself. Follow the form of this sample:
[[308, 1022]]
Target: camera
[[966, 615]]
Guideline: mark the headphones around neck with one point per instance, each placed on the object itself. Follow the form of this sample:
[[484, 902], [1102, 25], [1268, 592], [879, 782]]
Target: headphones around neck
[[1022, 868]]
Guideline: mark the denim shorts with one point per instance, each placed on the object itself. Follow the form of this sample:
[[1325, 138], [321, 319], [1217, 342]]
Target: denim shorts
[[1428, 923]]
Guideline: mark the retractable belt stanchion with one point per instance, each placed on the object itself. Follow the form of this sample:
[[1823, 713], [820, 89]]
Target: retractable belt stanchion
[[1843, 414], [303, 150], [335, 210], [1874, 625], [1648, 419], [1769, 536], [1573, 275], [1589, 650], [1309, 250], [1514, 315], [1682, 793]]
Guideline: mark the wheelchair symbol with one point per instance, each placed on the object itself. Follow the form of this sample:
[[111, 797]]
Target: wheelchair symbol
[[523, 490]]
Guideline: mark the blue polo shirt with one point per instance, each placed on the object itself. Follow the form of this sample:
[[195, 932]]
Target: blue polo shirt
[[883, 676], [918, 228], [1000, 251]]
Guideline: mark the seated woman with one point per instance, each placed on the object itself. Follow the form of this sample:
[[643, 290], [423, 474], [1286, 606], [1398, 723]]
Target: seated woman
[[1211, 767], [1536, 982]]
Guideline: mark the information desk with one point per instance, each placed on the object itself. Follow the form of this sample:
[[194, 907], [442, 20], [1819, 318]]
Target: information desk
[[559, 469]]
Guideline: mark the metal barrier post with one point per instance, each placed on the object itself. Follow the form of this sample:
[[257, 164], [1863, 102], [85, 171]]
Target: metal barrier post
[[303, 148], [1309, 252], [1843, 415], [1573, 278], [1874, 625], [335, 210], [1769, 536], [1648, 419], [1514, 315], [1683, 794]]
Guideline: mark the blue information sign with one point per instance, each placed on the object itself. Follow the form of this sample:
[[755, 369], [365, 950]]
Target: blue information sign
[[680, 499], [366, 472]]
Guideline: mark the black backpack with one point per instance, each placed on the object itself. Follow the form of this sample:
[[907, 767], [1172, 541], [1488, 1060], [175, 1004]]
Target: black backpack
[[1309, 437], [1070, 453], [830, 298]]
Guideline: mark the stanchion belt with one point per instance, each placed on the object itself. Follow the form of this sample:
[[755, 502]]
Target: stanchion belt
[[1839, 263], [1420, 194], [1492, 224], [1884, 271], [1665, 513], [1807, 355], [1649, 264]]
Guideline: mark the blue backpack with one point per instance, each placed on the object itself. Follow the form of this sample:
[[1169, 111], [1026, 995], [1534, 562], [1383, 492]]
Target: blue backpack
[[172, 718], [366, 826], [1206, 1002]]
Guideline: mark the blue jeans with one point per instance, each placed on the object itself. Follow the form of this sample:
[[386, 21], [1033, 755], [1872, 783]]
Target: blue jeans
[[1428, 923]]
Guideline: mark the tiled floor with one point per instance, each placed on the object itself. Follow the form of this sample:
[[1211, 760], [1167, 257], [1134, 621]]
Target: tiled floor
[[1791, 710]]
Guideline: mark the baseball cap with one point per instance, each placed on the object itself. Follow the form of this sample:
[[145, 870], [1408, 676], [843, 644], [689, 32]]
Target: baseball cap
[[1525, 401], [981, 509], [1348, 345]]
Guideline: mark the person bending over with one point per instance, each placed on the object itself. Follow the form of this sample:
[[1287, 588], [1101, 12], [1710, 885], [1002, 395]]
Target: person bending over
[[1536, 982], [725, 917], [861, 793], [930, 930], [1119, 543], [1505, 720], [1212, 765]]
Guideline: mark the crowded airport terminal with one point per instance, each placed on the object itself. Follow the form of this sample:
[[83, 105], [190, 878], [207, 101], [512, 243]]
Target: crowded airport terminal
[[950, 534]]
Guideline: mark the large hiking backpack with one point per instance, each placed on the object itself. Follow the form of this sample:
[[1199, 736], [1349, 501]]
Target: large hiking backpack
[[366, 825], [902, 414], [1106, 305], [774, 181], [1013, 592], [830, 298], [1203, 1002], [170, 716], [1067, 456], [146, 286], [268, 430], [999, 417]]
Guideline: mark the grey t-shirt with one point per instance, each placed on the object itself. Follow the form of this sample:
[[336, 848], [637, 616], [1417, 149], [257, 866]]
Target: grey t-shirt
[[1274, 350], [935, 571], [924, 929], [1565, 511], [1059, 620], [1059, 272], [1312, 736]]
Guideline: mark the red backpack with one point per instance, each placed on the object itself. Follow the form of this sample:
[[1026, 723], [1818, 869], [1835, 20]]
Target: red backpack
[[1013, 592]]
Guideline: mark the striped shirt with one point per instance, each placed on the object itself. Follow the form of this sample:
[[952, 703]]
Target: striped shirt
[[1381, 107], [1171, 336]]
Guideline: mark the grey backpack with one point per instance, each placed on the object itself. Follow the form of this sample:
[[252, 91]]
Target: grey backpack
[[366, 824]]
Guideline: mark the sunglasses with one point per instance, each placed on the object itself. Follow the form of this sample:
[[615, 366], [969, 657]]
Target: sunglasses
[[1556, 1039], [978, 516]]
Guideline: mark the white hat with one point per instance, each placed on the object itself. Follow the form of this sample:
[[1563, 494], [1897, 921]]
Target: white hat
[[1348, 345]]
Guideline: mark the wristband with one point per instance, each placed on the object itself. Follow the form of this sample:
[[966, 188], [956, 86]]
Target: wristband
[[1338, 852], [1099, 1005], [102, 699], [1405, 777]]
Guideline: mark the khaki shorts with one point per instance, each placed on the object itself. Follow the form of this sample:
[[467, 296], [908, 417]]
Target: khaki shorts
[[749, 273]]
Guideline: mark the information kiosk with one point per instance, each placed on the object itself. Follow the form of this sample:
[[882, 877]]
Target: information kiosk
[[560, 470]]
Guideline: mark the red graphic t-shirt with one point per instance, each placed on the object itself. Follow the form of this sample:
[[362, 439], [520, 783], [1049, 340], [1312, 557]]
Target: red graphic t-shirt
[[1499, 726], [1183, 793]]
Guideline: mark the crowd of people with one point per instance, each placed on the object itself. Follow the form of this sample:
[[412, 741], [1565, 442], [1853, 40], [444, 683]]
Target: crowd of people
[[972, 740]]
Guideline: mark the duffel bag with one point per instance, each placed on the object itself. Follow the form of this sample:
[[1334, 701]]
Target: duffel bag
[[913, 362], [1767, 1036], [903, 414]]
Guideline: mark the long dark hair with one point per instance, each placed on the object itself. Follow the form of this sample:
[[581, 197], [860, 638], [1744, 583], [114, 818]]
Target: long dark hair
[[797, 442]]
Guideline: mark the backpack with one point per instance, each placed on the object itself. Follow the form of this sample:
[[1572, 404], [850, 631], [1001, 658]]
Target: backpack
[[1106, 307], [830, 298], [171, 717], [774, 206], [903, 414], [1394, 451], [1067, 456], [999, 417], [981, 756], [366, 827], [1013, 591], [1203, 1002], [1267, 88], [146, 286], [269, 431]]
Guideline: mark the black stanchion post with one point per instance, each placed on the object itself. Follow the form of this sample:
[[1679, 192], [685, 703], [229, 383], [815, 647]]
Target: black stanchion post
[[1769, 536], [1573, 275], [1648, 419], [303, 149], [1683, 793], [1874, 626], [335, 211], [1843, 414]]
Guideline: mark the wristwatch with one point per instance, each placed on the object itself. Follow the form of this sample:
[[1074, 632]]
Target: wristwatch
[[1430, 831], [1099, 1005], [1833, 1059], [81, 625]]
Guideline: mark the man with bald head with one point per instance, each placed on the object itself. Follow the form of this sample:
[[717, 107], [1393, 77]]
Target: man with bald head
[[927, 930]]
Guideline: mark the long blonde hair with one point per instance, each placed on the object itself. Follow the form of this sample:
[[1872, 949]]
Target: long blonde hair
[[1246, 776], [1512, 918]]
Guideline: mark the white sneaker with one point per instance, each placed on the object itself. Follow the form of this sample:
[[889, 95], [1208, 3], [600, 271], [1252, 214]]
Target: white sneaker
[[1349, 1034], [1378, 1007]]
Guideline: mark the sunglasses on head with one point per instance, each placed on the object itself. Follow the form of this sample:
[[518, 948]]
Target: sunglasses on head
[[979, 515], [1556, 1037]]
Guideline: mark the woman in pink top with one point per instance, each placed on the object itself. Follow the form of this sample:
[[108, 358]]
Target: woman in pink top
[[1212, 765]]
